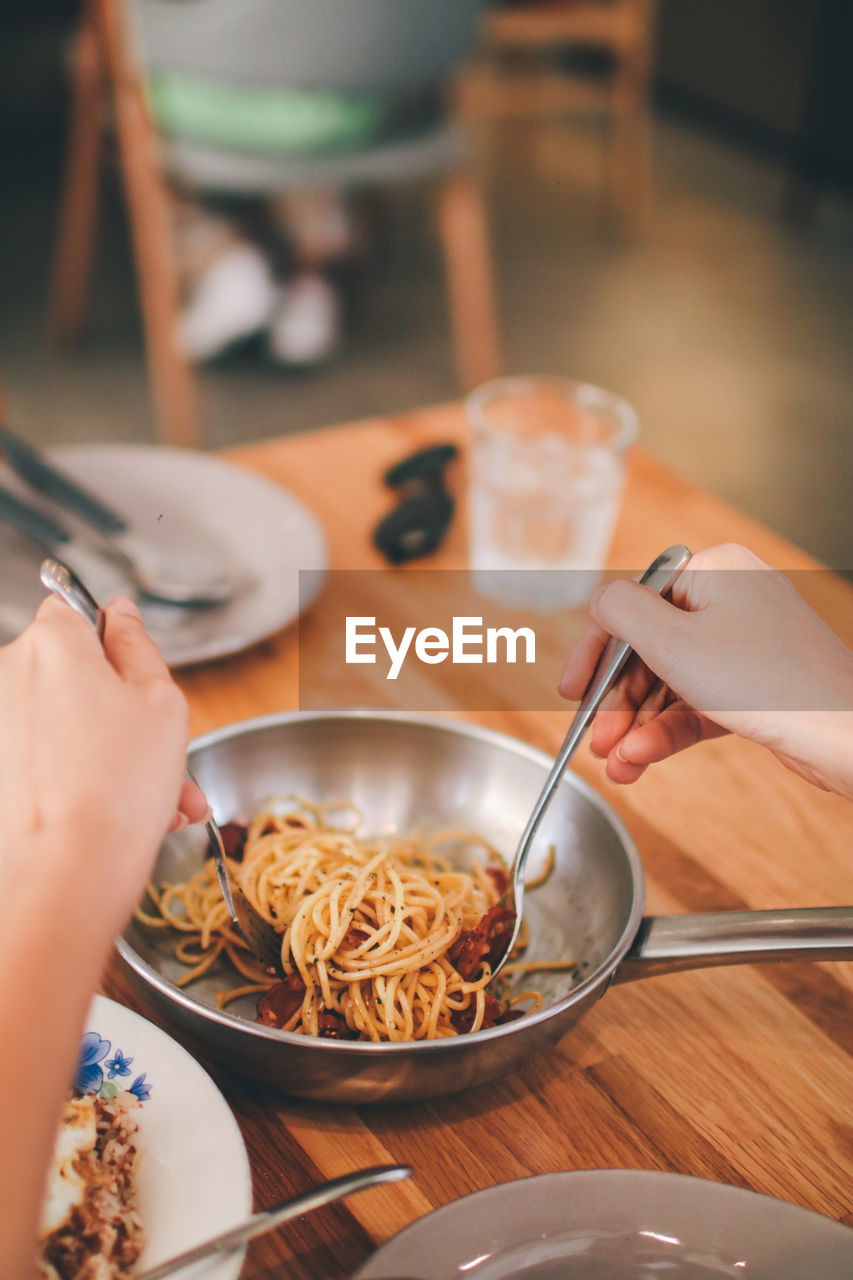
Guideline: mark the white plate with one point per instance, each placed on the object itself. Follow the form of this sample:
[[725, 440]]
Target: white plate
[[617, 1224], [193, 1176], [265, 536]]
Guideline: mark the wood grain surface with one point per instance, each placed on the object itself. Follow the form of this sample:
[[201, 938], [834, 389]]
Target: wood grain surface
[[743, 1075]]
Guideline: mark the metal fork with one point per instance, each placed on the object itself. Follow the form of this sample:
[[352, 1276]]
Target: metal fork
[[265, 1221]]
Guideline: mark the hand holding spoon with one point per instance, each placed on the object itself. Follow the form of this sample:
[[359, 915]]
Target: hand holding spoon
[[660, 576], [260, 936]]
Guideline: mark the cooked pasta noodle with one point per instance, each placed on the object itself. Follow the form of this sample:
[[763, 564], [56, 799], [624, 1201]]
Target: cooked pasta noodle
[[381, 939]]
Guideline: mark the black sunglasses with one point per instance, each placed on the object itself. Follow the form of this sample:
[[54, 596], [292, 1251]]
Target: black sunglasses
[[417, 525]]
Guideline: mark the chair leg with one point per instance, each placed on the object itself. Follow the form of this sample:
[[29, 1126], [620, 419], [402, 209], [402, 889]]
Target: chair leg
[[79, 198], [629, 178], [171, 376], [470, 286], [629, 165]]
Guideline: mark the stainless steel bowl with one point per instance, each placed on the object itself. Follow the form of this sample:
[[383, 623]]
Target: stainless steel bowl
[[417, 773], [405, 773]]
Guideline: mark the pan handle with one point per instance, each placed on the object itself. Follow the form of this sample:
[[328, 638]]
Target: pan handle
[[667, 944]]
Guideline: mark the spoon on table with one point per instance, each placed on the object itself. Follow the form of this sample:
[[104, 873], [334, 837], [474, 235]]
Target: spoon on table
[[181, 575], [660, 576], [265, 1221], [57, 577]]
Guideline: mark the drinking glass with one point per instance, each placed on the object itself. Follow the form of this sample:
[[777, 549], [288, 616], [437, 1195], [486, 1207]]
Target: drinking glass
[[547, 467]]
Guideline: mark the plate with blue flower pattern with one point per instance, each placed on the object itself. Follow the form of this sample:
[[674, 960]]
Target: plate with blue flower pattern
[[193, 1176]]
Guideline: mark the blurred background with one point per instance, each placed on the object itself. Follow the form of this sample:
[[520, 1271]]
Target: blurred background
[[653, 197]]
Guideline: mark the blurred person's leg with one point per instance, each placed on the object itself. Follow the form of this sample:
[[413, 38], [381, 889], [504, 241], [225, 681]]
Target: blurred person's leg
[[231, 288], [306, 329], [227, 280]]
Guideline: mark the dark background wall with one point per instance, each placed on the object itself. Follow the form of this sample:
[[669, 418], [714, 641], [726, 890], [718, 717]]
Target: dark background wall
[[748, 58], [773, 73]]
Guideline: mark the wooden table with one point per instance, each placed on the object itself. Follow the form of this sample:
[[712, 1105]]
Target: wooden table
[[744, 1075]]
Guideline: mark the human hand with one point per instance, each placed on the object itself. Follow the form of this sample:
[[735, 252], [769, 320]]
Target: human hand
[[91, 758], [738, 650]]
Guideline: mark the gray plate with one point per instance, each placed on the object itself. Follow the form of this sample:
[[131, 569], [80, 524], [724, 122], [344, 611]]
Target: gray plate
[[617, 1224], [264, 535]]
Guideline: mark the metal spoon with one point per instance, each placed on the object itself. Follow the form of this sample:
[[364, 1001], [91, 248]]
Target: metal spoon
[[57, 577], [660, 576], [260, 1223], [181, 577]]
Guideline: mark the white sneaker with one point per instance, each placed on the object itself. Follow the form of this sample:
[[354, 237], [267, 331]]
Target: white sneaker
[[307, 328], [234, 298]]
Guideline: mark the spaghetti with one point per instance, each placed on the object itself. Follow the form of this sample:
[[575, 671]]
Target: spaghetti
[[381, 939]]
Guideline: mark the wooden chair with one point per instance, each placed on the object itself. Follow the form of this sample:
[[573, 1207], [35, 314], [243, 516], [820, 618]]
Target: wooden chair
[[344, 45], [519, 78]]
